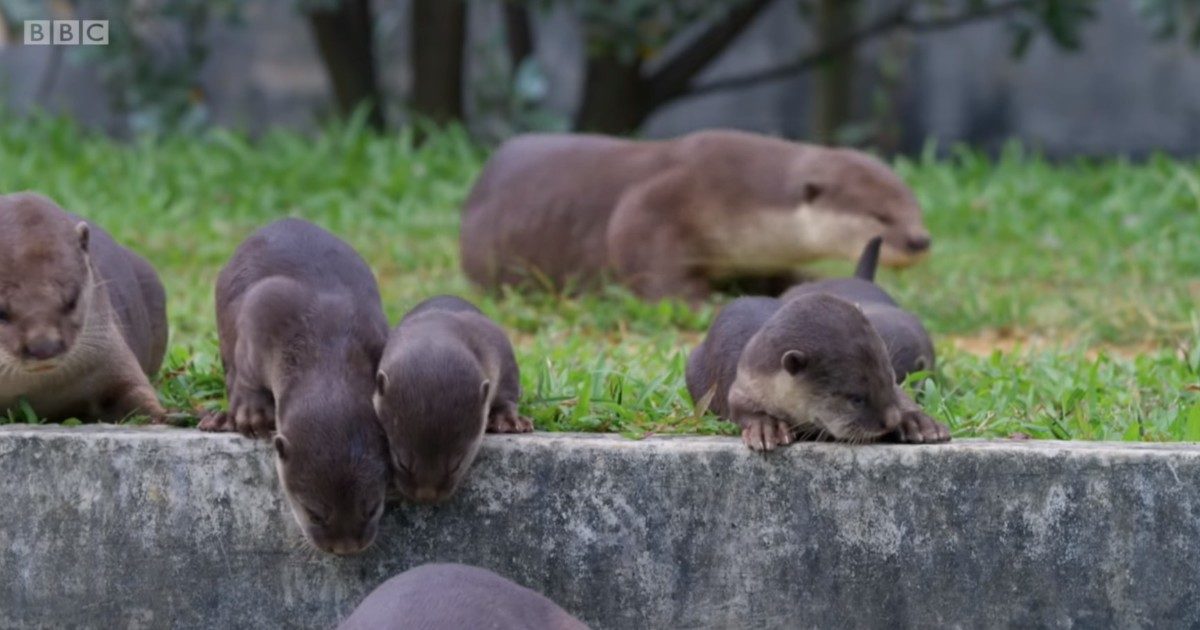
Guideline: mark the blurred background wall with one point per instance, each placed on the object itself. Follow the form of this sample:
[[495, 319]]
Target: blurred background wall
[[1125, 88]]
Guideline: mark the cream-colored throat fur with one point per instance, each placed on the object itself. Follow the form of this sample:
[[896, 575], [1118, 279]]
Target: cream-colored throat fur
[[77, 373], [772, 240]]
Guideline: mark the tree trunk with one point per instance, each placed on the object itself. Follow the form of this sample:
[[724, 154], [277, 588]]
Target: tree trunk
[[518, 32], [614, 97], [834, 92], [345, 41], [439, 33]]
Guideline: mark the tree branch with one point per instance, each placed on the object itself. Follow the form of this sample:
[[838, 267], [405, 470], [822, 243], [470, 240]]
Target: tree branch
[[673, 78], [899, 18]]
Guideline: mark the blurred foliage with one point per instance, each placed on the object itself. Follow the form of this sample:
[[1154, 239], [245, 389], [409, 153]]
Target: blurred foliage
[[152, 63], [152, 66]]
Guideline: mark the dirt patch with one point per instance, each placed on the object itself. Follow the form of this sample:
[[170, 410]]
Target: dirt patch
[[1008, 341]]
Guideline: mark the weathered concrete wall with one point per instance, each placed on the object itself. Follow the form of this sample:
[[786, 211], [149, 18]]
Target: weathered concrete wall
[[118, 528]]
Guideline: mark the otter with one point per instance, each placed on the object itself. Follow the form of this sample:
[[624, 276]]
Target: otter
[[83, 320], [677, 218], [906, 339], [301, 329], [448, 374], [454, 597], [811, 367]]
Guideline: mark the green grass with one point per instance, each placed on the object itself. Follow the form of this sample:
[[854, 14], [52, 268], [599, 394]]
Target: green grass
[[1083, 276]]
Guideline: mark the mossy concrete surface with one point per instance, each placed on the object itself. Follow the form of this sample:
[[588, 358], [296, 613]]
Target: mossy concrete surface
[[136, 527]]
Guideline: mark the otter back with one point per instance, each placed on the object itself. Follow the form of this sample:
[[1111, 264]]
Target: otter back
[[455, 597]]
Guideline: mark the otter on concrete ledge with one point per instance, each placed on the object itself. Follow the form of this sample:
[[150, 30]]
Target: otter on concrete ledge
[[811, 367], [301, 329], [83, 321], [674, 218], [448, 374], [907, 342]]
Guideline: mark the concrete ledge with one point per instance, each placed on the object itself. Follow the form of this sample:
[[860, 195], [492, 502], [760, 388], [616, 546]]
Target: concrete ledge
[[111, 527]]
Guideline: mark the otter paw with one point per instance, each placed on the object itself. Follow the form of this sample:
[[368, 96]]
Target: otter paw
[[917, 427], [253, 414], [216, 422], [508, 421], [764, 434]]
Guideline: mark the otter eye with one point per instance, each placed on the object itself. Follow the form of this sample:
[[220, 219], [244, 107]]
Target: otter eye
[[4, 316], [69, 307], [856, 400]]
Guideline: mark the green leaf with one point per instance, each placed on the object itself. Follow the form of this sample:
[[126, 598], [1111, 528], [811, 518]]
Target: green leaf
[[1191, 428]]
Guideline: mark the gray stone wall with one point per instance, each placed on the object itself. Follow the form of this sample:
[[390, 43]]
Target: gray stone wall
[[147, 528]]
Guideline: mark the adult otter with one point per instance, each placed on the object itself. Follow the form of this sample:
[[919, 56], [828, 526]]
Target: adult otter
[[456, 597], [83, 321], [448, 374], [810, 367], [671, 218], [301, 329], [906, 339]]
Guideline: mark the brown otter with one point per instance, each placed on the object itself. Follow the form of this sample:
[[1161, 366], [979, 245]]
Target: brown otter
[[455, 597], [447, 375], [301, 329], [83, 321], [810, 367], [671, 218], [906, 339]]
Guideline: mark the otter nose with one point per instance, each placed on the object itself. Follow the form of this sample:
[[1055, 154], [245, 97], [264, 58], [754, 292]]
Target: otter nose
[[43, 348], [425, 494], [919, 242]]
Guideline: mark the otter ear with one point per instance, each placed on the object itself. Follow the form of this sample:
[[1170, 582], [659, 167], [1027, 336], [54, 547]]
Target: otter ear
[[812, 191], [485, 389], [794, 362], [281, 446], [381, 381], [81, 230]]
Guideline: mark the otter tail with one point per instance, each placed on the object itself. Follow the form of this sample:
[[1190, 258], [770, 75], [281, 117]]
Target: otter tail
[[868, 261]]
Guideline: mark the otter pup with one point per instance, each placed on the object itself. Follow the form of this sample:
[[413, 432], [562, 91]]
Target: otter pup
[[674, 217], [811, 367], [447, 375], [301, 329], [83, 321], [454, 597], [907, 341]]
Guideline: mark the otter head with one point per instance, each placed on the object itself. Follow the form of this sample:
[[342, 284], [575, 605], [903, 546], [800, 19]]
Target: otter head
[[46, 282], [433, 400], [334, 477], [849, 197], [818, 363]]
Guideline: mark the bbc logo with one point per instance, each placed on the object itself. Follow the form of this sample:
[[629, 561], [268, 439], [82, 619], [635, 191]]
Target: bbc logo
[[66, 32]]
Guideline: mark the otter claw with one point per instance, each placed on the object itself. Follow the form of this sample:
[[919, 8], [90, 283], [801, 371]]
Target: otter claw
[[766, 434], [917, 427], [509, 422]]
